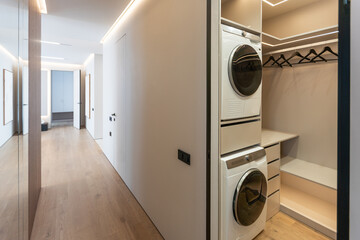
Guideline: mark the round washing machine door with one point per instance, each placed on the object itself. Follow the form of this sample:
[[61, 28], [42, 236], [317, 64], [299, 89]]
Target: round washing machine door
[[250, 197], [245, 70]]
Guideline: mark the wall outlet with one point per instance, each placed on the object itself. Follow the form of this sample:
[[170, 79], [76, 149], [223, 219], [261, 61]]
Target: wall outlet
[[184, 157]]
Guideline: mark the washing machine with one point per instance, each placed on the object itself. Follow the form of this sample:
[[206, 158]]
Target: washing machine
[[243, 194], [241, 79]]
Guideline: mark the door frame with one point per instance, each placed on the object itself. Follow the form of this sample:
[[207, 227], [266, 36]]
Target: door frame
[[343, 189]]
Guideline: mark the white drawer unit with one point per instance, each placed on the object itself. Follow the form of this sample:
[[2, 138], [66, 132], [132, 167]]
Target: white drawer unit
[[273, 205], [273, 168], [273, 185], [272, 153], [273, 159], [240, 135]]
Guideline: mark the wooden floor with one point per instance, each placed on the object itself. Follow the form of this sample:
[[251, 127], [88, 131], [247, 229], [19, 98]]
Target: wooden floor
[[283, 227], [9, 191], [83, 198]]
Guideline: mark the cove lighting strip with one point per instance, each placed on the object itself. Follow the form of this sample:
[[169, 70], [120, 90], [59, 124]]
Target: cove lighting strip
[[299, 40], [4, 50], [55, 43], [48, 42], [116, 23], [91, 56], [42, 6], [272, 4], [55, 58]]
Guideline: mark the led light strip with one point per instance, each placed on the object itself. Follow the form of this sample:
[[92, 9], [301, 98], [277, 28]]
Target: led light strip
[[91, 56], [272, 4], [55, 58], [42, 6], [62, 66], [48, 42], [2, 48], [111, 30], [299, 40]]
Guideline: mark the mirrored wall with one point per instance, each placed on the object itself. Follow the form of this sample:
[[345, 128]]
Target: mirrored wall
[[13, 119]]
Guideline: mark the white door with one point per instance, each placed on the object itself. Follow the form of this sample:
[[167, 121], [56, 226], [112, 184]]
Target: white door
[[119, 124], [77, 98], [25, 99]]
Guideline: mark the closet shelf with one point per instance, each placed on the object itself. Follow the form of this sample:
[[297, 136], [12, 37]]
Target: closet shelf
[[314, 211], [239, 26], [271, 137], [310, 171], [273, 43]]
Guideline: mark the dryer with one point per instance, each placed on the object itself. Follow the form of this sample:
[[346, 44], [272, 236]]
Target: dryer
[[241, 74], [243, 194]]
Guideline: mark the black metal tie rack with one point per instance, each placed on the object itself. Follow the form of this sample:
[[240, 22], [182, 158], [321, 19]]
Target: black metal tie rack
[[297, 58]]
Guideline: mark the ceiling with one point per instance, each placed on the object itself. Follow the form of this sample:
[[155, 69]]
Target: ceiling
[[9, 26], [290, 5], [79, 25]]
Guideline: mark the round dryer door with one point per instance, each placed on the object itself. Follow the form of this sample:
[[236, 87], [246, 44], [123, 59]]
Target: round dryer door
[[245, 70], [250, 197]]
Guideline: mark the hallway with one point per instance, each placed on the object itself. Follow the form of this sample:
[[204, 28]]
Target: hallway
[[82, 196]]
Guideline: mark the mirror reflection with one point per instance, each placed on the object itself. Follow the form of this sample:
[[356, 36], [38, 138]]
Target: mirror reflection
[[9, 141], [13, 120]]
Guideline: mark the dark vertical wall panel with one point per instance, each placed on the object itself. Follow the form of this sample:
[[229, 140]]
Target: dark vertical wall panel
[[34, 109], [343, 121]]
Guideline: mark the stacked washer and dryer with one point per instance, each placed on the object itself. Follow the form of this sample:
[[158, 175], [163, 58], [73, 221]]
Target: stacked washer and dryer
[[243, 165]]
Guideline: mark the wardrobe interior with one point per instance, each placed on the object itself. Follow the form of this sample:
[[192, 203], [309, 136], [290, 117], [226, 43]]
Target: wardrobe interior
[[299, 103]]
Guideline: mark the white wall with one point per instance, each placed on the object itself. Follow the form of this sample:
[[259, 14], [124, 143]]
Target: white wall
[[354, 126], [94, 67], [7, 62], [164, 110]]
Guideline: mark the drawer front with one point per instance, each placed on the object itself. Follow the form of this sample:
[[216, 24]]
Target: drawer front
[[239, 136], [273, 185], [272, 153], [273, 205], [273, 169]]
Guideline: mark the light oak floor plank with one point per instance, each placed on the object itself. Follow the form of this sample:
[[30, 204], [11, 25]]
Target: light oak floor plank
[[83, 198], [283, 227], [9, 190]]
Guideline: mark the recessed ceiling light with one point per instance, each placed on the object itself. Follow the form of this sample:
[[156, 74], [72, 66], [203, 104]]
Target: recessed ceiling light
[[55, 43], [42, 6], [55, 58], [274, 4], [48, 42]]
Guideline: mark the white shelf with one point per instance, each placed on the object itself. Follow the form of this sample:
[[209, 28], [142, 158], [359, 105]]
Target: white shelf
[[314, 212], [270, 137], [273, 43], [310, 171], [230, 23]]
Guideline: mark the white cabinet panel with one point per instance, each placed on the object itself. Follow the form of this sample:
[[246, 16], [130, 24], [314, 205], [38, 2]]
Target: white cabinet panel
[[44, 93], [57, 92], [68, 96], [62, 90]]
